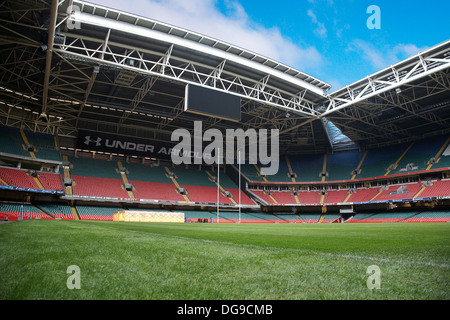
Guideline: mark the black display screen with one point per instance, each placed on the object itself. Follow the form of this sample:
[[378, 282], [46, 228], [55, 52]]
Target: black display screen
[[212, 103]]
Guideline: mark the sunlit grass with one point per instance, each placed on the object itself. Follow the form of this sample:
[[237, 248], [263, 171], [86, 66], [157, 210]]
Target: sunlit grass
[[223, 261]]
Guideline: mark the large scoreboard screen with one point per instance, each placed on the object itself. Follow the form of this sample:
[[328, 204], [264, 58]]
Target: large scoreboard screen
[[212, 102]]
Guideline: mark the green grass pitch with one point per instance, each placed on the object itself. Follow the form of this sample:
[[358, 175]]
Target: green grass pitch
[[158, 261]]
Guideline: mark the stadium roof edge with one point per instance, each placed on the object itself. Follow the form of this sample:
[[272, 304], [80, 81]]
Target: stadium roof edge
[[389, 68], [187, 38], [443, 46], [420, 65]]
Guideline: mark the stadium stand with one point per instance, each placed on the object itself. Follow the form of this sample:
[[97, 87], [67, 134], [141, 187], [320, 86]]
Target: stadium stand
[[195, 215], [439, 188], [18, 178], [443, 158], [156, 190], [87, 166], [96, 213], [309, 197], [44, 145], [252, 173], [28, 144], [386, 217], [402, 217], [15, 211], [406, 191], [330, 217], [56, 210], [430, 216], [30, 179], [418, 156], [340, 166], [265, 197], [103, 176], [351, 165], [50, 181], [310, 217], [378, 161], [363, 195], [96, 178], [307, 167], [98, 187], [285, 197], [11, 142], [335, 196]]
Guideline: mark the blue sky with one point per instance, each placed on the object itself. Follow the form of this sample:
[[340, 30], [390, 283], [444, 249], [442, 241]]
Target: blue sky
[[328, 39]]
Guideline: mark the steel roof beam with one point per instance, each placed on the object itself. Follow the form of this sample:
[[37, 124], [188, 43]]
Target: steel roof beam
[[48, 62], [426, 63], [165, 69]]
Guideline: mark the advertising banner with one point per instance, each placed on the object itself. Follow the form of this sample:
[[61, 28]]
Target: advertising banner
[[95, 141]]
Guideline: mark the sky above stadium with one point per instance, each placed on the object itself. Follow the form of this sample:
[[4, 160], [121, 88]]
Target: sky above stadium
[[327, 39]]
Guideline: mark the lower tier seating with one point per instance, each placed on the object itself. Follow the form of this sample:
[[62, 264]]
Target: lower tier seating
[[96, 213], [15, 211]]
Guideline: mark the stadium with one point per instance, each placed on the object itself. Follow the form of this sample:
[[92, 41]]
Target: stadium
[[89, 99]]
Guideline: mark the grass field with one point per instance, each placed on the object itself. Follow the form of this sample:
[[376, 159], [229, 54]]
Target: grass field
[[223, 261]]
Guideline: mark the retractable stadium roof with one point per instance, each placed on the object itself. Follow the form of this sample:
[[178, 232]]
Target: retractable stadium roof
[[403, 102], [127, 74], [124, 74]]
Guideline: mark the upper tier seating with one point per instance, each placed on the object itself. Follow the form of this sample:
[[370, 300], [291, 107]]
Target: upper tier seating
[[443, 161], [44, 145], [416, 159], [390, 160], [340, 165], [93, 167], [307, 167], [12, 142], [377, 161]]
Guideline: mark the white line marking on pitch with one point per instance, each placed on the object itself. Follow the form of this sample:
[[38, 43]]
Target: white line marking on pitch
[[329, 254]]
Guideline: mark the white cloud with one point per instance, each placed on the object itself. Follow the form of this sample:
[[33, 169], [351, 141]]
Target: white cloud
[[320, 30], [406, 50], [235, 27], [369, 53], [381, 58]]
